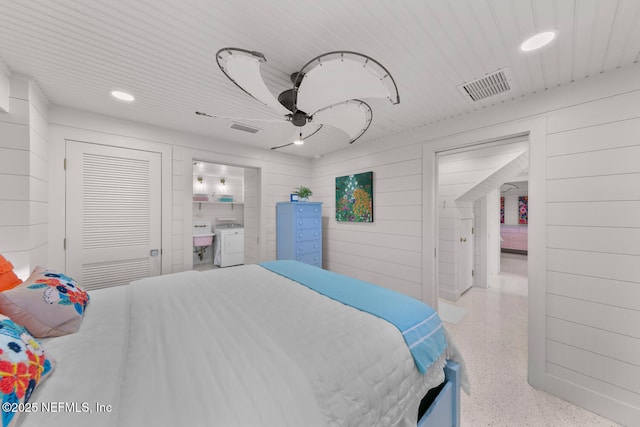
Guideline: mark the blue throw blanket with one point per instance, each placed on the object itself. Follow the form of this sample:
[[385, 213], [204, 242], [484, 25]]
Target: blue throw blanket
[[420, 325]]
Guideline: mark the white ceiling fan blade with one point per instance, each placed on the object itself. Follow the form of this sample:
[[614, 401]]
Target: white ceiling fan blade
[[215, 116], [352, 116], [243, 68], [306, 131], [339, 76]]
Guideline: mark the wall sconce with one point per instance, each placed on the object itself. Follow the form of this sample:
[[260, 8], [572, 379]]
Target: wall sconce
[[223, 181], [201, 181]]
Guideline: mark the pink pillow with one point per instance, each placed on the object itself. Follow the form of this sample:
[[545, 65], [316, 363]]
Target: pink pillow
[[48, 304]]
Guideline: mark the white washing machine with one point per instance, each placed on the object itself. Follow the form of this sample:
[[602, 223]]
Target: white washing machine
[[228, 246]]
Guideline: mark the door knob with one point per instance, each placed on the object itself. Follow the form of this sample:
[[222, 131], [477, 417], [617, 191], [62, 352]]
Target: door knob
[[463, 239]]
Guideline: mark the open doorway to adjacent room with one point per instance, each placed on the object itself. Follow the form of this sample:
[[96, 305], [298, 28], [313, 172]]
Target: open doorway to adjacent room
[[473, 218], [224, 215]]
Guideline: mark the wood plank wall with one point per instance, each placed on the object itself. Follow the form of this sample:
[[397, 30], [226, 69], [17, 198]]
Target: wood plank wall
[[593, 246], [387, 252], [24, 178], [251, 216]]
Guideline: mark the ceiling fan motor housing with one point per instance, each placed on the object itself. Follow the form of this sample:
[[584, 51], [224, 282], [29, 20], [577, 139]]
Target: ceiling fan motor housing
[[299, 118]]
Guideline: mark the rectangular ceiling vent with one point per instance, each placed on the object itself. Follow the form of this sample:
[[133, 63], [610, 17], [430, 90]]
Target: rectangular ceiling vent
[[244, 128], [487, 86]]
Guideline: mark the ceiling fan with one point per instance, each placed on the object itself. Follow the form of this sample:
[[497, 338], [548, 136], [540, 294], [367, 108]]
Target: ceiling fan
[[327, 91]]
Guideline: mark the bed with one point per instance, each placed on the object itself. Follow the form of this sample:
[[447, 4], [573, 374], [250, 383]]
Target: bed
[[241, 346]]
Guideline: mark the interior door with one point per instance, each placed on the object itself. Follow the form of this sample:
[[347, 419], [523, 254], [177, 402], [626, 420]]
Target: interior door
[[465, 254], [113, 214]]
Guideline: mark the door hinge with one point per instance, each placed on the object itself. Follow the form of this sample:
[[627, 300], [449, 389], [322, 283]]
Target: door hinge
[[473, 273], [472, 230], [64, 165], [435, 252], [64, 244], [258, 240]]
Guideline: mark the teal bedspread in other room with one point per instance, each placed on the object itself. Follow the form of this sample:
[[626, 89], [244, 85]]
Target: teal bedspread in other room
[[419, 324]]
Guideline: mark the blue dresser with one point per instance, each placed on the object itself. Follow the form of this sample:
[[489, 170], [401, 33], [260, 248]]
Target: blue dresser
[[299, 232]]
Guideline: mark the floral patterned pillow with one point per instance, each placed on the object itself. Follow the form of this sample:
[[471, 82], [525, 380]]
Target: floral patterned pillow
[[48, 304], [23, 365]]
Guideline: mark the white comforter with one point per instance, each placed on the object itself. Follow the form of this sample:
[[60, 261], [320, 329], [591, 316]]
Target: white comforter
[[232, 347]]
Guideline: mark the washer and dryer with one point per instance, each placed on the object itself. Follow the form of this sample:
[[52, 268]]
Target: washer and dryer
[[228, 246]]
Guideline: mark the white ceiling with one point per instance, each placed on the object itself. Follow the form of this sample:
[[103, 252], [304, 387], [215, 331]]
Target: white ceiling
[[163, 53]]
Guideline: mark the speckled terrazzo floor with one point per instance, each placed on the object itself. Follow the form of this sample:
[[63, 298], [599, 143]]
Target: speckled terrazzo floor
[[492, 336]]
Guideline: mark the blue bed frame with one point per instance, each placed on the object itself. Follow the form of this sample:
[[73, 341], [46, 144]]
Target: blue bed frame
[[445, 409]]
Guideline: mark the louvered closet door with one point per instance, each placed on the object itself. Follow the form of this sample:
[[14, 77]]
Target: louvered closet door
[[113, 222]]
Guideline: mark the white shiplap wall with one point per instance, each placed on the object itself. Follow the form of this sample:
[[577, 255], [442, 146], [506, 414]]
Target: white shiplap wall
[[24, 177], [593, 247], [251, 215], [387, 252]]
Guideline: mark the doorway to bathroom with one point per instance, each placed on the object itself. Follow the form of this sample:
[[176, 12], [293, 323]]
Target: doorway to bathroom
[[224, 215]]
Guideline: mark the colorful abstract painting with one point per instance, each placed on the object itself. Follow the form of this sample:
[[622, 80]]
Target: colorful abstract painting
[[501, 210], [354, 198], [523, 209]]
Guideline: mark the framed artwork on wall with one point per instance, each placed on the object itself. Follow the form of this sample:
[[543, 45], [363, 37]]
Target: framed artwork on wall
[[354, 198], [502, 210], [523, 210]]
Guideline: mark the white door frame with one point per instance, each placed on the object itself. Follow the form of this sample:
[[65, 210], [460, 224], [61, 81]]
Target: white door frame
[[134, 259], [58, 136], [536, 128]]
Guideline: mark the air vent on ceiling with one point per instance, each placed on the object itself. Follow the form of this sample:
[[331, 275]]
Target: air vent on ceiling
[[244, 128], [489, 85]]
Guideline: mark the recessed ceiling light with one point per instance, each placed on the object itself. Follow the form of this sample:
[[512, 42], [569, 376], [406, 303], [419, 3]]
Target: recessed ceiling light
[[537, 41], [122, 96]]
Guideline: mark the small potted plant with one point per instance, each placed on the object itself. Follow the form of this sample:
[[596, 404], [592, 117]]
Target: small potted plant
[[303, 193]]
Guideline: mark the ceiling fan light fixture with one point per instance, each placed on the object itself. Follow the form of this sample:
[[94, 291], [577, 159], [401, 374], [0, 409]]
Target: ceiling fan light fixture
[[537, 41], [299, 141]]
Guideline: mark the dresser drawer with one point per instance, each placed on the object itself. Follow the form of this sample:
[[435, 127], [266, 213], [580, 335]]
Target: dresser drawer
[[304, 210], [308, 222], [308, 234], [304, 247], [313, 259]]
